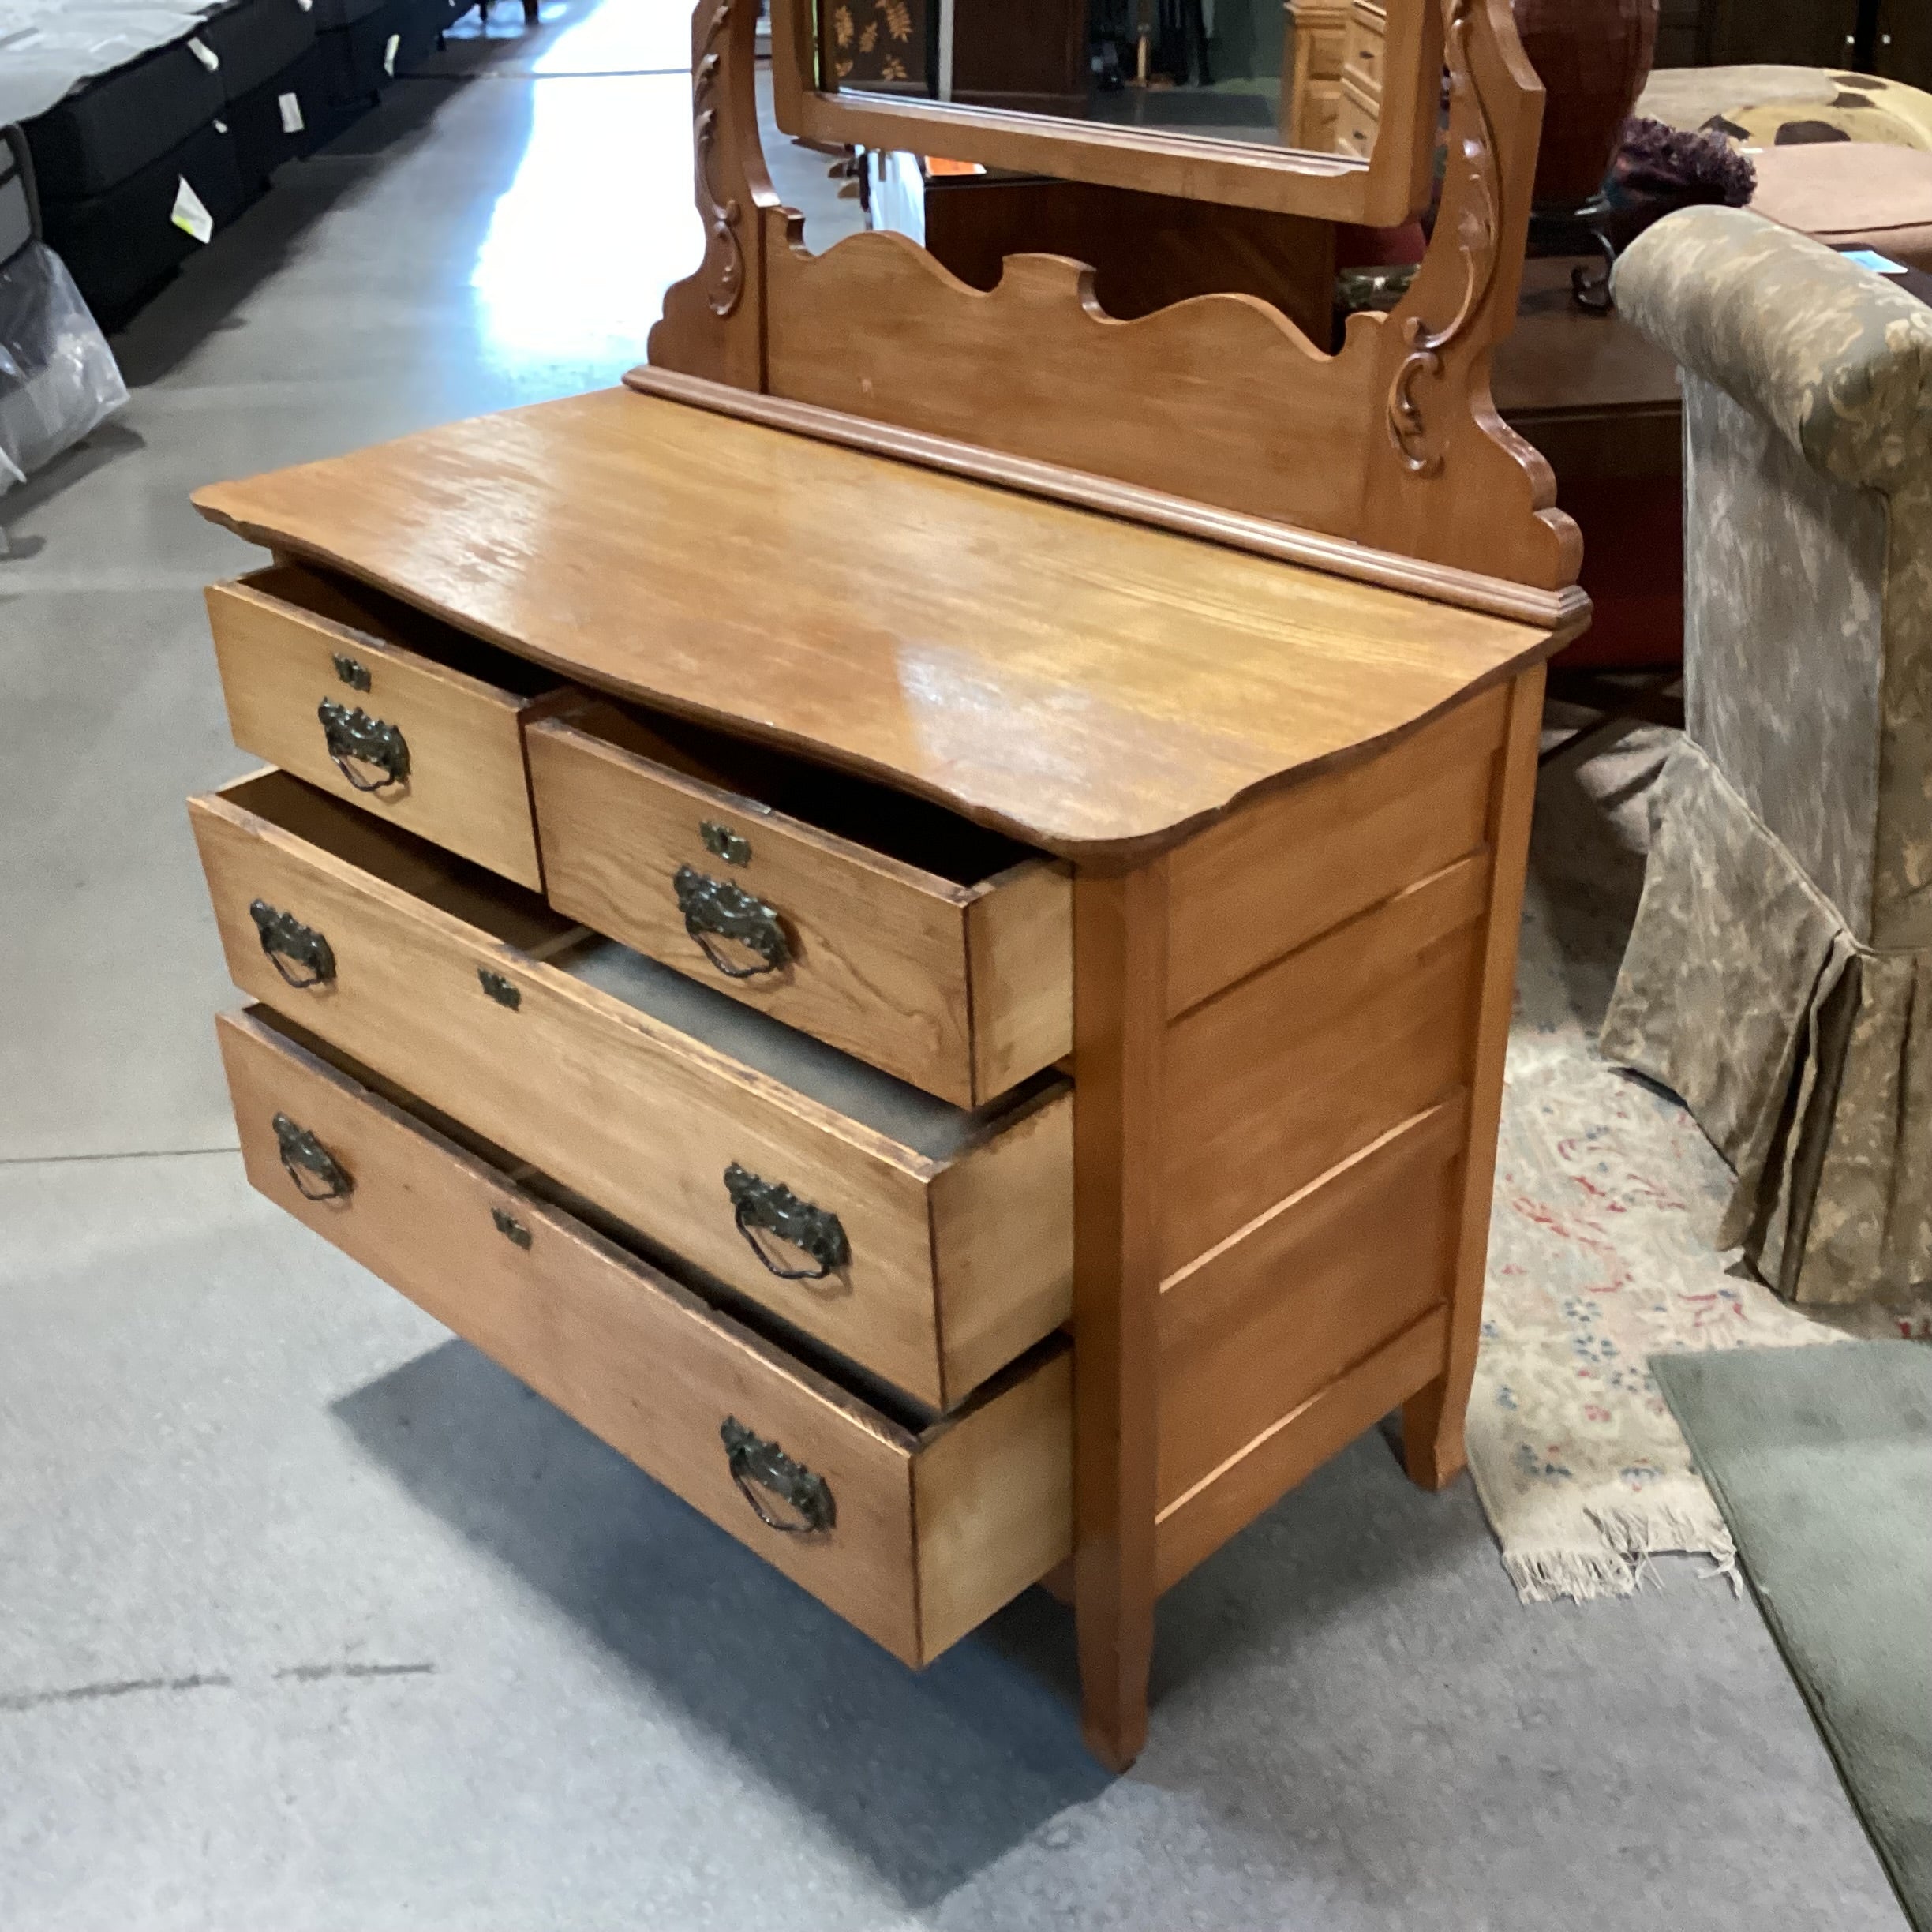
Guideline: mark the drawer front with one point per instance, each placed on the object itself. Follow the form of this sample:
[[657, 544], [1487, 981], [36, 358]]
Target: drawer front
[[1361, 66], [932, 1273], [1357, 116], [963, 991], [913, 1536], [423, 744]]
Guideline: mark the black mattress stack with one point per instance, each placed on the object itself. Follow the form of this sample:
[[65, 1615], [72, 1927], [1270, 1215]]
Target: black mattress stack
[[250, 84]]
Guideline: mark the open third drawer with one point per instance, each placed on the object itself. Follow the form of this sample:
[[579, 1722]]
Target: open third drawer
[[912, 1530]]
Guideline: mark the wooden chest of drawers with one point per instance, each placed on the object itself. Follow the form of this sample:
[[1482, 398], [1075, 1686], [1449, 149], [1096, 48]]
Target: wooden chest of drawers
[[948, 1082]]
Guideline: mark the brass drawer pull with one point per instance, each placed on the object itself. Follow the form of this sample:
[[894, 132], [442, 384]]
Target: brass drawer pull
[[757, 1465], [352, 671], [772, 1206], [713, 905], [303, 1154], [352, 735], [284, 937]]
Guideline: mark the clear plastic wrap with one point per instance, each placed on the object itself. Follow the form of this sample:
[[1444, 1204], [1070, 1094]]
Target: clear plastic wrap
[[58, 379]]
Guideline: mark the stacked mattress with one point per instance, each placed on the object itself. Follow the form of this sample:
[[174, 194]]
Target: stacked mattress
[[153, 123]]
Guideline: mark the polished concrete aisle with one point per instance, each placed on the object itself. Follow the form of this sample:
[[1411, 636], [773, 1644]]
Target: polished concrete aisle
[[311, 1618]]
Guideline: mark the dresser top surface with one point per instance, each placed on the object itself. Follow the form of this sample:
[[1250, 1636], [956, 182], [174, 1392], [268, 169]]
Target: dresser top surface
[[1091, 685]]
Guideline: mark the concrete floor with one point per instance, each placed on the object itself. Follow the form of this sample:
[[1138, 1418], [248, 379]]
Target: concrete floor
[[310, 1617]]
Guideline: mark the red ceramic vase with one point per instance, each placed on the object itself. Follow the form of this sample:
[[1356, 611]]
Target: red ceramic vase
[[1593, 57]]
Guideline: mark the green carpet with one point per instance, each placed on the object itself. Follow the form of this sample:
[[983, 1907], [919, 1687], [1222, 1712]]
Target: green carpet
[[1820, 1459]]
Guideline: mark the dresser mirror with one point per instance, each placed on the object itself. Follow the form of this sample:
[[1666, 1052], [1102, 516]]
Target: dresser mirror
[[1181, 102]]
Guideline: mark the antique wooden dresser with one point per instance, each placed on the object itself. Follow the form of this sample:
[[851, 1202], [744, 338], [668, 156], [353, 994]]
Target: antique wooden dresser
[[911, 915]]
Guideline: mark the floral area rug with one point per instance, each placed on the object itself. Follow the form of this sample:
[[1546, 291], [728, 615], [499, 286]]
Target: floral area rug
[[1607, 1196]]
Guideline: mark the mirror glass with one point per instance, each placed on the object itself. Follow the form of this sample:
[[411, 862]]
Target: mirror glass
[[1299, 74]]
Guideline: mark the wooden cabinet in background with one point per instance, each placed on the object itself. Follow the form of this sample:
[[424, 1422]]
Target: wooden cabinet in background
[[1320, 29]]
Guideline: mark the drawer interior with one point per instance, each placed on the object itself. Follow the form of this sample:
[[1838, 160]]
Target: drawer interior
[[911, 830], [928, 1125], [371, 613]]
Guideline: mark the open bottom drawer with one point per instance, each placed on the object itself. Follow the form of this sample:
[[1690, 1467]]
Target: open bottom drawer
[[914, 1533]]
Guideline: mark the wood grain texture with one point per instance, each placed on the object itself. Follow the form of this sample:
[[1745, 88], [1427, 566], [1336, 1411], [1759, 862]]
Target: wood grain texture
[[1020, 967], [630, 1112], [1092, 686], [993, 1503], [1195, 1524], [1282, 1076], [1120, 1004], [1565, 612], [277, 634], [1245, 174], [1272, 876], [1433, 1422], [1271, 1317], [879, 950], [915, 1557]]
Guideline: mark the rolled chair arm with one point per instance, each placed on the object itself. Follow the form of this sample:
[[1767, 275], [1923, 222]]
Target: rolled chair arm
[[1838, 359]]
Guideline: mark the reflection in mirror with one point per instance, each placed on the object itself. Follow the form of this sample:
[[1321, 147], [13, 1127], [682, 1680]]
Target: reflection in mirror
[[1303, 74]]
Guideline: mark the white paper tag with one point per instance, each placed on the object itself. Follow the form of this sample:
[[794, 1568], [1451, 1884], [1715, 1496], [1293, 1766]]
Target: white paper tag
[[1878, 263], [203, 53], [292, 122], [389, 54], [190, 216]]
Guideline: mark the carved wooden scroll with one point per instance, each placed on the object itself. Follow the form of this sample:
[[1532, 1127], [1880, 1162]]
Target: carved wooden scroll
[[1392, 443]]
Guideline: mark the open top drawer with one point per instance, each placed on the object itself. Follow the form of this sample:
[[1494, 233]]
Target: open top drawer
[[912, 1528], [929, 1243], [935, 949], [382, 707]]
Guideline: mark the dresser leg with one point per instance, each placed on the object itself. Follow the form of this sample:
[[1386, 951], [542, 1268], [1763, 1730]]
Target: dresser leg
[[1432, 1418], [1120, 1017]]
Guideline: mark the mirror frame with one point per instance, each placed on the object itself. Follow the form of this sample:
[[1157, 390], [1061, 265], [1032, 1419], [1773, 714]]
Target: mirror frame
[[1382, 192]]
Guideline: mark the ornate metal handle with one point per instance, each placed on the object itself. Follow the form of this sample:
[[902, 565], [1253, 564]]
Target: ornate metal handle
[[351, 733], [758, 1465], [773, 1206], [303, 1154], [714, 905], [284, 937]]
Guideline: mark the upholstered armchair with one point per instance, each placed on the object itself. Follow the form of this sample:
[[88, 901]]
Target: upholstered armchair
[[1778, 977]]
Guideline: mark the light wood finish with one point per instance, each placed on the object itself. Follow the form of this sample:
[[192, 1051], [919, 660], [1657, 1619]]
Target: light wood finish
[[950, 983], [934, 1528], [278, 633], [1086, 685], [1229, 395], [1239, 174], [1363, 58], [1561, 613], [1195, 1525], [1433, 1422], [1268, 879], [1356, 117], [644, 1118], [1120, 937], [1320, 31], [1292, 1302], [1283, 1075]]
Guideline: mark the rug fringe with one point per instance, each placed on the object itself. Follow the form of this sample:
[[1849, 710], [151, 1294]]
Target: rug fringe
[[1579, 1576], [1621, 1566]]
